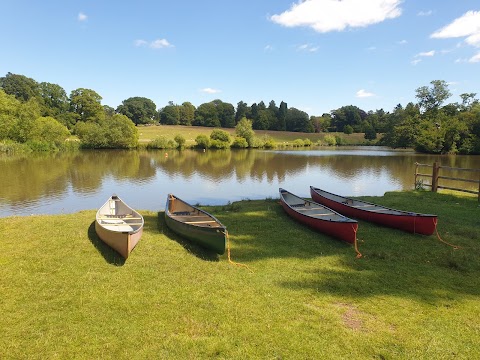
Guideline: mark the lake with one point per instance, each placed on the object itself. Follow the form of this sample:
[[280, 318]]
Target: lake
[[70, 182]]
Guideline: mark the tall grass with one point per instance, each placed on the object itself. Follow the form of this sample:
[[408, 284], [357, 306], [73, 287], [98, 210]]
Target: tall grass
[[65, 294]]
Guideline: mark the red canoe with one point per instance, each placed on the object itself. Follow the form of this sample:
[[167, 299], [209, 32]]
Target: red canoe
[[319, 217], [407, 221]]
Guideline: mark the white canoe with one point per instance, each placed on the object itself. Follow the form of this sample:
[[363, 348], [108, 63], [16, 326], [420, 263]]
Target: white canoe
[[119, 226]]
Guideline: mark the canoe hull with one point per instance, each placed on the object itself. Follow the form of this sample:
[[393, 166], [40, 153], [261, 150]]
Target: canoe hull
[[344, 230], [424, 224], [122, 242], [209, 233], [119, 226]]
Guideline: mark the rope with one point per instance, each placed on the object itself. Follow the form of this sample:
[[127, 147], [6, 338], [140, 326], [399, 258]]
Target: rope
[[455, 247], [228, 253], [359, 254]]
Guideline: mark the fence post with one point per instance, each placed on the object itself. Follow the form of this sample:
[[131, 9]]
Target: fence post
[[416, 172], [435, 176]]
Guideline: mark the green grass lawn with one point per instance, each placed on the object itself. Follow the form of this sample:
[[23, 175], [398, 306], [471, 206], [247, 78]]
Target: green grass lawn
[[66, 295], [148, 133]]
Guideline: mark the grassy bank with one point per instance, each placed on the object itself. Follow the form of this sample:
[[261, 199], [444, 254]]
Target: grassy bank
[[67, 295], [148, 133]]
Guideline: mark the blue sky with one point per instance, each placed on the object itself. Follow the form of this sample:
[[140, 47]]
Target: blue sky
[[316, 55]]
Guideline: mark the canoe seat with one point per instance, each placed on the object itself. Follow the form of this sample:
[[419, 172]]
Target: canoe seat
[[297, 205], [310, 208], [200, 222]]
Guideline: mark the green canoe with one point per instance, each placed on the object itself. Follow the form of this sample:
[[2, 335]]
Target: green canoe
[[195, 225]]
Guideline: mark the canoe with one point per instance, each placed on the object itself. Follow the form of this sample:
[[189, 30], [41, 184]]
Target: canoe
[[404, 220], [319, 217], [119, 226], [195, 224]]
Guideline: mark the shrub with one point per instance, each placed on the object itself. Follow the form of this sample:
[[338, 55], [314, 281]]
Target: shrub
[[269, 144], [220, 135], [298, 143], [47, 130], [307, 142], [330, 140], [115, 132], [239, 143], [180, 140], [161, 142], [217, 144], [348, 130], [202, 141]]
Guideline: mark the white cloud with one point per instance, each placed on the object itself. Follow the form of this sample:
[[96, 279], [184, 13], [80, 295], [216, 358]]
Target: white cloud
[[210, 91], [425, 13], [268, 48], [156, 44], [307, 48], [82, 17], [426, 53], [475, 58], [416, 61], [362, 93], [467, 26], [141, 43], [160, 43], [333, 15], [403, 42]]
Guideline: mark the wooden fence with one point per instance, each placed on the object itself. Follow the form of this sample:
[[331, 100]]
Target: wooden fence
[[435, 177]]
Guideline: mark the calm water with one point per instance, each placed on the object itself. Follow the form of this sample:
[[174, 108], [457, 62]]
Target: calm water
[[66, 183]]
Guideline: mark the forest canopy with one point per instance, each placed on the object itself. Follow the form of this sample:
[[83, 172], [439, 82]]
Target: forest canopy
[[43, 115]]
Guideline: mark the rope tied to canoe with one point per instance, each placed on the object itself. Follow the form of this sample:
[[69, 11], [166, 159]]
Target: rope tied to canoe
[[228, 253], [359, 254], [455, 247]]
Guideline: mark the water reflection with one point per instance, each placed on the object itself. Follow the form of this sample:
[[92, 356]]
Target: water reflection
[[56, 183]]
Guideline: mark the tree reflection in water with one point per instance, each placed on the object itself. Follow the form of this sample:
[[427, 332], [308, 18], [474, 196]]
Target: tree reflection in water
[[54, 183]]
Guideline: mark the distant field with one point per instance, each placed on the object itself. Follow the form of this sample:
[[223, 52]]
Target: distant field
[[148, 133]]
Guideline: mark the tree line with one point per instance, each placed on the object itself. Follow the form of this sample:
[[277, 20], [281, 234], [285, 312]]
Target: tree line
[[29, 108]]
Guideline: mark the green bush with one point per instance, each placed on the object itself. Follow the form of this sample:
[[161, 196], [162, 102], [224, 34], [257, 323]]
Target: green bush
[[202, 141], [269, 144], [161, 142], [307, 142], [180, 140], [298, 143], [217, 144], [115, 132], [220, 135], [239, 143], [330, 140]]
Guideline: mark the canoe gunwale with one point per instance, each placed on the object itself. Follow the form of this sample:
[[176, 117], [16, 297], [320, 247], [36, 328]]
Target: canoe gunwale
[[417, 223]]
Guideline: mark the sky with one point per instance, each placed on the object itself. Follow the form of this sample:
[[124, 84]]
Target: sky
[[315, 55]]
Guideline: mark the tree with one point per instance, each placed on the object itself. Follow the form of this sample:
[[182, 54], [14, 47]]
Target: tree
[[430, 98], [242, 110], [55, 99], [20, 86], [170, 115], [86, 104], [244, 130], [50, 131], [207, 115], [298, 121], [138, 109], [370, 133], [115, 132], [187, 113], [282, 117], [226, 114]]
